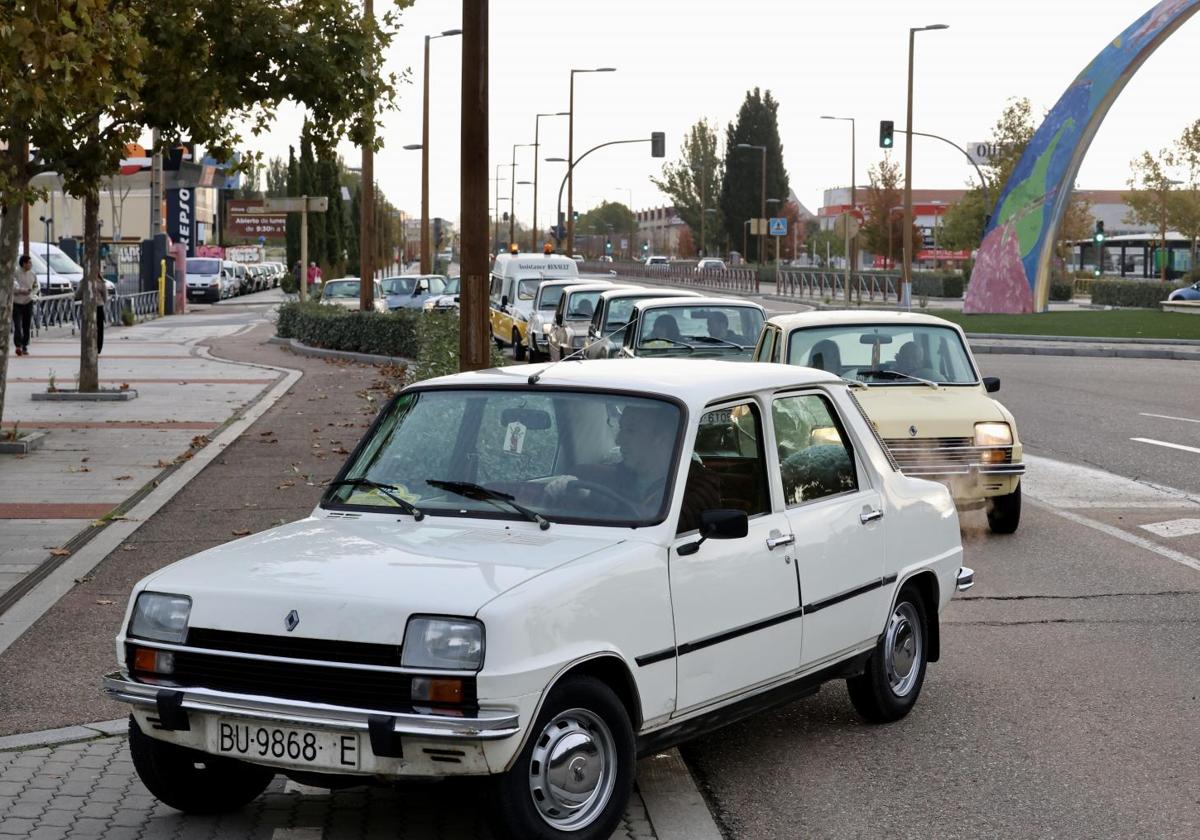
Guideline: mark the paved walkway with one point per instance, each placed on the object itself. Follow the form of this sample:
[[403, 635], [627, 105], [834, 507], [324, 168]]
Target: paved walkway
[[98, 455]]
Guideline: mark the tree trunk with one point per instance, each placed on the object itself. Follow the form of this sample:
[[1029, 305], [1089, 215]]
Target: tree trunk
[[10, 241], [89, 359]]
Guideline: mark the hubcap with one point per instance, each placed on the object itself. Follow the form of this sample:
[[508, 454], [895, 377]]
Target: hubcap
[[573, 770], [903, 648]]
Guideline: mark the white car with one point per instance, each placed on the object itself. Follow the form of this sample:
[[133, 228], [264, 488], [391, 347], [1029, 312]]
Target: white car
[[567, 331], [542, 314], [710, 264], [658, 261], [536, 574], [344, 292]]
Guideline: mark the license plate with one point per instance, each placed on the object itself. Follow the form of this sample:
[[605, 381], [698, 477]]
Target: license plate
[[285, 744]]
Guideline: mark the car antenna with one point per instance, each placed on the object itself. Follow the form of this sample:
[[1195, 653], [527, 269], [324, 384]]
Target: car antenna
[[534, 377]]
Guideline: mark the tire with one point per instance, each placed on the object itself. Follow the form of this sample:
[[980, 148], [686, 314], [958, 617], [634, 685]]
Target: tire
[[518, 347], [191, 781], [535, 355], [889, 687], [586, 729], [1004, 512]]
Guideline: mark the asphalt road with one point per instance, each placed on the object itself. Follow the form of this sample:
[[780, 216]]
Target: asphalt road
[[1067, 702]]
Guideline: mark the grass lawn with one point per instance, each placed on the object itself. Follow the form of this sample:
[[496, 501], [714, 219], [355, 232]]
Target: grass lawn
[[1117, 323]]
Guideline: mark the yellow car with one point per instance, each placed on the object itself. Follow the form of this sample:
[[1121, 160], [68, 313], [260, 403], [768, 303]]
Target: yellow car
[[920, 387], [514, 285]]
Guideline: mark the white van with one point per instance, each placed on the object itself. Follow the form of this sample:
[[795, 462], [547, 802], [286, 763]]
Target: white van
[[207, 279], [50, 282], [59, 262], [515, 282]]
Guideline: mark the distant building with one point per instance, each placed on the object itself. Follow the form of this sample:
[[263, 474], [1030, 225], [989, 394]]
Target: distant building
[[660, 227]]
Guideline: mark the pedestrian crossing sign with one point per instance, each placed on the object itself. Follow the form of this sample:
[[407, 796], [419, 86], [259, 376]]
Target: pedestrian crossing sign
[[778, 227]]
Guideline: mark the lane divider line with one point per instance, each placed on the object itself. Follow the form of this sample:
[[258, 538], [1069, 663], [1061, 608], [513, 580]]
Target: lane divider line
[[1168, 417], [1166, 444], [1133, 539]]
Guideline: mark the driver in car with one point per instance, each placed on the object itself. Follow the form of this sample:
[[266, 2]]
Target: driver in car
[[645, 434]]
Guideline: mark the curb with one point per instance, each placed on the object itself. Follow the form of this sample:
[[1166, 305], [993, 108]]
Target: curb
[[1092, 352], [99, 543], [1079, 339], [65, 735], [301, 349]]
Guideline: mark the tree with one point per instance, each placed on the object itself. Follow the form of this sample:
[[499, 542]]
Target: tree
[[1078, 225], [1148, 204], [695, 182], [686, 246], [611, 216], [741, 188], [797, 233], [883, 194], [1184, 207], [276, 174]]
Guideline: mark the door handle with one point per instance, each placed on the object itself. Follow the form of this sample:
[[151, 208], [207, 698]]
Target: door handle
[[775, 541], [869, 516]]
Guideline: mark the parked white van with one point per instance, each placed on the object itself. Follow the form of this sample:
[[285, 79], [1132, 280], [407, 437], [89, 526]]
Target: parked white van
[[59, 263], [515, 282]]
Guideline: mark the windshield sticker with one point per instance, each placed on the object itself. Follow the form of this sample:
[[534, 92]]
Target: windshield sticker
[[514, 438]]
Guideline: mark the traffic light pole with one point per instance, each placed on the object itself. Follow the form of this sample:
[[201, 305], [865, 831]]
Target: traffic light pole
[[571, 168]]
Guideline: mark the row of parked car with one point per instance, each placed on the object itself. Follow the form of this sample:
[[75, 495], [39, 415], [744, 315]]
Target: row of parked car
[[427, 292], [212, 279]]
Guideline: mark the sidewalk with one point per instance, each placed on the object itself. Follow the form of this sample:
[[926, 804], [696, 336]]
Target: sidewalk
[[99, 455]]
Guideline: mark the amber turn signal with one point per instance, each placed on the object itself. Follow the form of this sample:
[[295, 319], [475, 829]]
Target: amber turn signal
[[439, 690]]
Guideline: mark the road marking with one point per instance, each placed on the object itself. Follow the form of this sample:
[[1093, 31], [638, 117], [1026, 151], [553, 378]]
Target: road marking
[[1133, 539], [1178, 446], [1174, 528], [1168, 417], [1058, 484]]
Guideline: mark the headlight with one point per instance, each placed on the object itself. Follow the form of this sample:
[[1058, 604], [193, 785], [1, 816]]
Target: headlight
[[993, 434], [443, 643], [163, 618], [430, 304]]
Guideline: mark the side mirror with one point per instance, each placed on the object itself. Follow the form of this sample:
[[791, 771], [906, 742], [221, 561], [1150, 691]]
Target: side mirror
[[558, 318], [720, 524], [991, 384]]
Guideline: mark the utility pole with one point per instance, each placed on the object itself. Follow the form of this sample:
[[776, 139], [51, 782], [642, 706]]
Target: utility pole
[[474, 346], [366, 235], [156, 179], [906, 282], [304, 250]]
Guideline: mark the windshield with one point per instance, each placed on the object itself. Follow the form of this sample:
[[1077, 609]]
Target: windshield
[[700, 329], [593, 458], [399, 285], [527, 289], [620, 310], [924, 351], [581, 305], [451, 287], [62, 264], [341, 289], [551, 295]]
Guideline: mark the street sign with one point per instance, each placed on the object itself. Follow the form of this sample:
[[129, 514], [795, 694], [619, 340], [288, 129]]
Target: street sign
[[844, 221], [624, 244], [778, 227], [316, 204]]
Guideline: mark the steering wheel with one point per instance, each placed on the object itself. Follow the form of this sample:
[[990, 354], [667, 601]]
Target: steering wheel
[[581, 484]]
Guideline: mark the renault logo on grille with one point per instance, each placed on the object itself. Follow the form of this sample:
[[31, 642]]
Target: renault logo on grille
[[291, 620], [912, 431]]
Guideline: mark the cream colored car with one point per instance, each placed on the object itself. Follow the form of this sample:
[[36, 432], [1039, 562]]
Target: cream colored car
[[921, 389]]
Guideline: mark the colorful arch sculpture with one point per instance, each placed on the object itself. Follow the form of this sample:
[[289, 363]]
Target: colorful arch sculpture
[[1012, 269]]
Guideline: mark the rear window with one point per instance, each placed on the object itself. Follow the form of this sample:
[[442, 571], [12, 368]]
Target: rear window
[[199, 265]]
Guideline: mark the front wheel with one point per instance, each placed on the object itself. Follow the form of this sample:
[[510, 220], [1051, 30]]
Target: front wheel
[[888, 689], [1004, 512], [574, 777], [518, 347], [191, 781]]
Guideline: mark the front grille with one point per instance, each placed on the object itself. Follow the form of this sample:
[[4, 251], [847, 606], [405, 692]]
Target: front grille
[[935, 456], [385, 691], [295, 647]]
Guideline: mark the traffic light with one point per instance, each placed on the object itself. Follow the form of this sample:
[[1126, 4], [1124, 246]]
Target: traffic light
[[437, 233], [1098, 236], [608, 247], [658, 144], [886, 129], [575, 216], [645, 247]]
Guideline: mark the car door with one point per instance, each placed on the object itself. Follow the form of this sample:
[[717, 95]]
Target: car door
[[835, 517], [495, 294], [736, 602]]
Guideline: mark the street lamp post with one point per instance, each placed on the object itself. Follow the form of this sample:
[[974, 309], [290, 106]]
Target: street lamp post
[[496, 218], [537, 125], [512, 193], [762, 234], [571, 156], [906, 281], [426, 256], [776, 201], [851, 243]]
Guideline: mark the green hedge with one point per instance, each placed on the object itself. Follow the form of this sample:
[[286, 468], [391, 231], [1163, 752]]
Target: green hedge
[[943, 285], [334, 328], [1146, 294], [1062, 289], [437, 347]]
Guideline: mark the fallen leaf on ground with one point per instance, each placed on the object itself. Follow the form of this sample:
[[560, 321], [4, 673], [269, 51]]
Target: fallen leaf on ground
[[162, 465], [84, 460], [128, 547], [105, 602], [123, 478], [199, 441], [60, 552], [87, 579], [241, 532], [341, 450], [124, 386]]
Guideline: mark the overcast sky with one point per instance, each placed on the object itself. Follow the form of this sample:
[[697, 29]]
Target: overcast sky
[[680, 60]]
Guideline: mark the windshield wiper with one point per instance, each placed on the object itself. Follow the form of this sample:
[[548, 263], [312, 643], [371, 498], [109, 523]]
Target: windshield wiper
[[388, 490], [479, 493], [712, 339], [895, 374], [689, 347]]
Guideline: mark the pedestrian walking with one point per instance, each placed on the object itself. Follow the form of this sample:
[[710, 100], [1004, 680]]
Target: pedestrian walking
[[25, 292], [99, 297], [314, 276]]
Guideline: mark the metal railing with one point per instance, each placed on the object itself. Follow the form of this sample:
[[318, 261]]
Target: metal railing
[[818, 284], [64, 310], [744, 280]]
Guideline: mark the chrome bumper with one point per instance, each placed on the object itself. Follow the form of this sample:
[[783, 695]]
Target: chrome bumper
[[965, 579], [933, 470], [171, 701]]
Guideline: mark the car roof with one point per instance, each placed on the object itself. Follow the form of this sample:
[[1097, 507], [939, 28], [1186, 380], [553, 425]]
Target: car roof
[[631, 291], [591, 286], [697, 382], [654, 303], [858, 317]]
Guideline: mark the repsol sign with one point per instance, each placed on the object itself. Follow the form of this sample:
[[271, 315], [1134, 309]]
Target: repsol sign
[[181, 218]]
